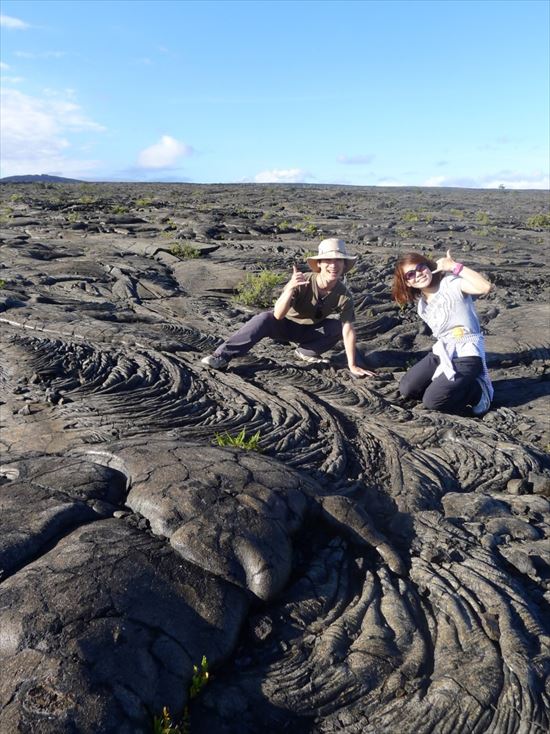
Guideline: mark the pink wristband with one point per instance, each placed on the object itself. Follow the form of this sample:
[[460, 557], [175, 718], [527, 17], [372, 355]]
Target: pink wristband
[[457, 269]]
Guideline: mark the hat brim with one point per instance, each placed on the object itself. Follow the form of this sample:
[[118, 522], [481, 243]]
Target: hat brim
[[349, 261]]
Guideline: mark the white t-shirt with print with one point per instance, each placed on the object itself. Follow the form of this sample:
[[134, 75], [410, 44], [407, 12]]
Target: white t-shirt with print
[[450, 314]]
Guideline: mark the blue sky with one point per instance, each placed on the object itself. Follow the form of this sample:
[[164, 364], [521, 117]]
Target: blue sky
[[432, 93]]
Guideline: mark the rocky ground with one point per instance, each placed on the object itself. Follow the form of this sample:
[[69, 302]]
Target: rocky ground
[[376, 568]]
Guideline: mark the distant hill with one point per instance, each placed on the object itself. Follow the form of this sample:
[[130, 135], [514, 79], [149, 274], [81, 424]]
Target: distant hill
[[41, 178]]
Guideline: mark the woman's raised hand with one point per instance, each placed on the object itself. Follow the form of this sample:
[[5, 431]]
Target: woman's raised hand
[[445, 264]]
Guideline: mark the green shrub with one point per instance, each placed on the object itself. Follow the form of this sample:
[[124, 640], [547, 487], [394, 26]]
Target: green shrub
[[410, 217], [482, 218], [240, 441], [259, 289], [310, 229], [539, 221], [185, 250], [3, 283], [285, 226]]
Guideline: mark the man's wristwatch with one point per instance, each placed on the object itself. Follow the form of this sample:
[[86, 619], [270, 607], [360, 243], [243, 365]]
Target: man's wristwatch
[[458, 267]]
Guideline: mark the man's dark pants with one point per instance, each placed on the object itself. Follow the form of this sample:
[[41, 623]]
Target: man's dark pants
[[312, 338]]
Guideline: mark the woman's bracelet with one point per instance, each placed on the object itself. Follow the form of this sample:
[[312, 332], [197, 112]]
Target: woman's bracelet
[[457, 269]]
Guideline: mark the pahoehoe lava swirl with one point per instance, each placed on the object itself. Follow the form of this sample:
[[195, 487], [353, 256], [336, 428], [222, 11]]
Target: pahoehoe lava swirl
[[377, 567]]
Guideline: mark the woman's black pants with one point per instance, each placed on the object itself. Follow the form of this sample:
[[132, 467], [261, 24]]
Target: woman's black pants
[[448, 396]]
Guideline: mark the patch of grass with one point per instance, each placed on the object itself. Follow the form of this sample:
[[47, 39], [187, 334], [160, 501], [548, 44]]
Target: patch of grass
[[185, 251], [239, 441], [484, 231], [3, 283], [143, 202], [458, 213], [285, 226], [482, 218], [310, 229], [119, 209], [411, 217], [539, 221], [259, 289]]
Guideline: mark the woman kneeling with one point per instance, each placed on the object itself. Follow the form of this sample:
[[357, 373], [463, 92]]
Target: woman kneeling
[[453, 378]]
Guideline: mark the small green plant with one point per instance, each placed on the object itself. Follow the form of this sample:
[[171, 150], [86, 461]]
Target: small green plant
[[285, 226], [200, 678], [259, 289], [310, 229], [185, 250], [119, 209], [144, 202], [3, 283], [458, 213], [482, 218], [484, 231], [163, 724], [239, 441], [539, 221], [410, 217]]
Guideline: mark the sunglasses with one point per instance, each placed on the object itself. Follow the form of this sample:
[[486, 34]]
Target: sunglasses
[[411, 274]]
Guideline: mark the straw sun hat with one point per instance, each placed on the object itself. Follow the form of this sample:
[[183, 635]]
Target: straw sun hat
[[331, 249]]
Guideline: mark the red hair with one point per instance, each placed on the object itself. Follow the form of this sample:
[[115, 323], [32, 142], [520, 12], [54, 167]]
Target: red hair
[[401, 291]]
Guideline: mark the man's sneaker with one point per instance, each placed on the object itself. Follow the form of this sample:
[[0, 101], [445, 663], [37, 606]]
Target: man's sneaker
[[484, 402], [310, 358], [216, 363]]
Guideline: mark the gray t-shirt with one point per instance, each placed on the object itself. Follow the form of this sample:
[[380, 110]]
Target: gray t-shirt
[[450, 314]]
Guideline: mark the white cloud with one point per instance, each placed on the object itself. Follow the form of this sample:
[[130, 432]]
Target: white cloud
[[44, 55], [435, 181], [12, 79], [163, 154], [390, 182], [7, 21], [356, 160], [282, 175], [35, 134], [3, 66], [508, 179]]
